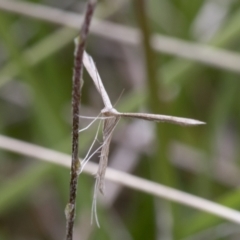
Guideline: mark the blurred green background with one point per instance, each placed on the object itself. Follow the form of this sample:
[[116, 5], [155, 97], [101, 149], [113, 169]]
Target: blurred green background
[[36, 61]]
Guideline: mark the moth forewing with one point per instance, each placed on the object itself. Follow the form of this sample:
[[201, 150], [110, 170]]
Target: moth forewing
[[163, 118], [108, 128], [93, 72]]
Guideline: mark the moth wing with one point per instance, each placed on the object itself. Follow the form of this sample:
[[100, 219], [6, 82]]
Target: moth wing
[[164, 118], [93, 72]]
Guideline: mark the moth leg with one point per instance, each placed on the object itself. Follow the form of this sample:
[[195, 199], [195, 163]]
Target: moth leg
[[94, 205], [87, 157], [90, 124]]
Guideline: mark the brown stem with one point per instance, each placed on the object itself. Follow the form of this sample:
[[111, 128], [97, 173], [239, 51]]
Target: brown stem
[[76, 97]]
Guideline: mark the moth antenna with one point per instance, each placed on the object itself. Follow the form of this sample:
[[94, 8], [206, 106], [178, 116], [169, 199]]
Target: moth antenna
[[119, 97]]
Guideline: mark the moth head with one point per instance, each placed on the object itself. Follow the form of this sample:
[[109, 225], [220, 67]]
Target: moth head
[[108, 112]]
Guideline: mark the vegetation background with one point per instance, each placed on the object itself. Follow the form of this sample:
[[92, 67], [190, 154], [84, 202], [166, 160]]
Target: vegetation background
[[36, 61]]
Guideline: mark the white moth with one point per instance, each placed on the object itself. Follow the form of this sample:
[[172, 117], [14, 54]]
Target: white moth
[[110, 123], [111, 120]]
